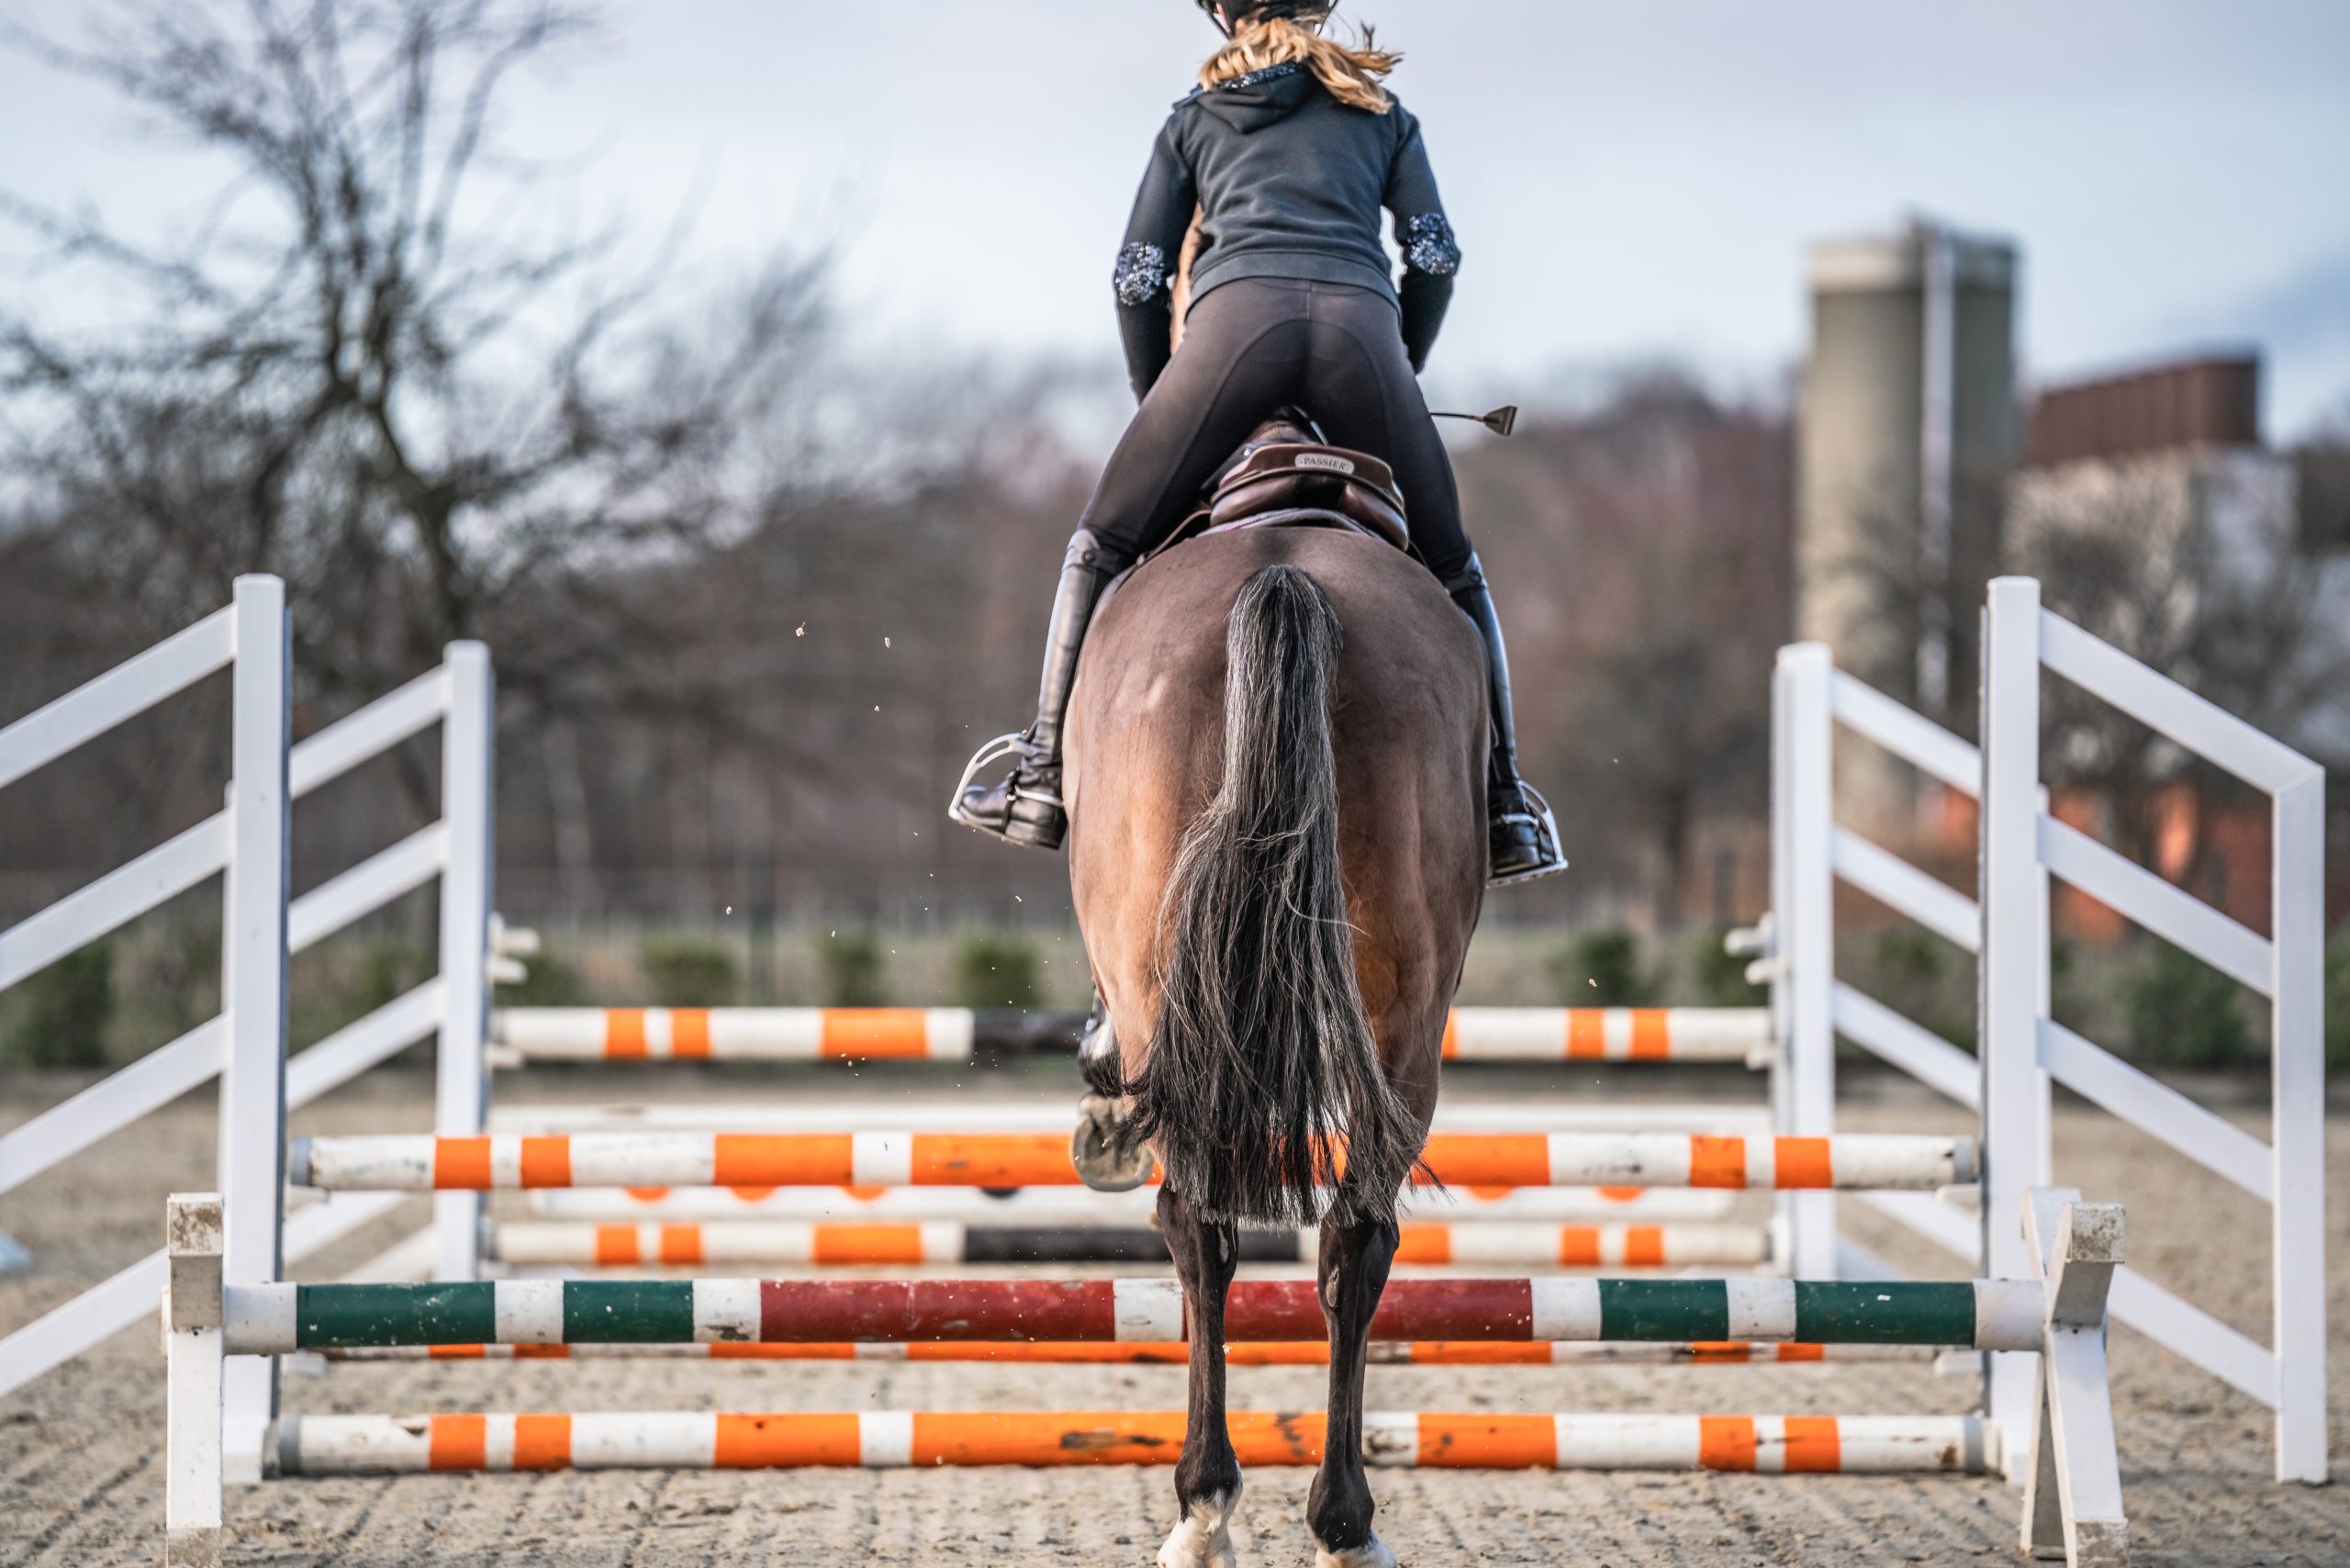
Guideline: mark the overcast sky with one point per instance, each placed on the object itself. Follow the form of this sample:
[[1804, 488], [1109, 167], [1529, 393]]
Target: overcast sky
[[1630, 178]]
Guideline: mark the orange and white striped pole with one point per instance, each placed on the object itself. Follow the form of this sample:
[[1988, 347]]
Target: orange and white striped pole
[[1610, 1035], [348, 1445], [735, 1034], [951, 1034], [1862, 1161], [646, 1244]]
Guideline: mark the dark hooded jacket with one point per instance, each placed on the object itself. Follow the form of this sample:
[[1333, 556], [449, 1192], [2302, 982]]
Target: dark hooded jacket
[[1287, 183]]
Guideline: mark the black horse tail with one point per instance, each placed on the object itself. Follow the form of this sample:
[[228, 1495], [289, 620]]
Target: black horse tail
[[1263, 1084]]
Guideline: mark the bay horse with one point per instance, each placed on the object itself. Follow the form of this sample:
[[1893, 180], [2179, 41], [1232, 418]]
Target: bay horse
[[1276, 783]]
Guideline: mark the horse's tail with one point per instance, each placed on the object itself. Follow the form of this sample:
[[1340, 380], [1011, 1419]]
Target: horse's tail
[[1262, 1065]]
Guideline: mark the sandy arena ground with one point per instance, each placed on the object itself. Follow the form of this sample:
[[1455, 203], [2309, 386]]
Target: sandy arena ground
[[82, 1465]]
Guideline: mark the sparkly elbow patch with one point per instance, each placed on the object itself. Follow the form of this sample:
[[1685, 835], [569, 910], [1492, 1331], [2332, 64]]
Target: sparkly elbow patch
[[1429, 246], [1141, 275]]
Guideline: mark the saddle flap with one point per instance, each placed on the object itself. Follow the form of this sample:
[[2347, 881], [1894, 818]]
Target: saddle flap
[[1296, 476]]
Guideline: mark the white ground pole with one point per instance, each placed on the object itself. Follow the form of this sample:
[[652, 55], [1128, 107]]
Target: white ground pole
[[2014, 945], [253, 959], [467, 803], [1804, 784], [193, 1341]]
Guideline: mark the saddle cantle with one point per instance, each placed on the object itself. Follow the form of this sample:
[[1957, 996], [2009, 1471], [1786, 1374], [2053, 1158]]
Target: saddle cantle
[[1283, 478]]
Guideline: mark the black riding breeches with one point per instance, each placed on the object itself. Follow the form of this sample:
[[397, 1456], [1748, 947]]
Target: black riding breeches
[[1249, 348]]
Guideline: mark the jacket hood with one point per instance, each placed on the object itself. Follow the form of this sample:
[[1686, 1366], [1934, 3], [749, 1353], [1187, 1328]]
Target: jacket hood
[[1261, 98]]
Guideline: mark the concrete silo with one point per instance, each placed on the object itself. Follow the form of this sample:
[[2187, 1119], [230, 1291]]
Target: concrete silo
[[1908, 429]]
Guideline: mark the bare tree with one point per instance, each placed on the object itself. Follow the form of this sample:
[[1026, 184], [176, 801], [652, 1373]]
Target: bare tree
[[1642, 555], [1907, 610], [371, 371], [2194, 564]]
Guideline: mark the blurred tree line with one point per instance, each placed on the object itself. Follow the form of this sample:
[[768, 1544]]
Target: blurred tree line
[[753, 597], [754, 590]]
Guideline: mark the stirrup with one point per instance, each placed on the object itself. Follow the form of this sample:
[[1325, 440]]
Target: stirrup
[[1038, 829], [995, 751], [1546, 824]]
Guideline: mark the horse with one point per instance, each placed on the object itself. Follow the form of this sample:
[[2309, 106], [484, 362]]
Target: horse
[[1275, 776]]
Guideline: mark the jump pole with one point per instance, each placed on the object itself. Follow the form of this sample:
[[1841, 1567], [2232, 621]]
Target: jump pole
[[961, 1113], [950, 1033], [2071, 1507], [378, 1445], [648, 1244], [1858, 1162], [279, 1319], [1175, 1353], [1078, 1205]]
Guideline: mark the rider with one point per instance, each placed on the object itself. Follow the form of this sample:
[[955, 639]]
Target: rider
[[1285, 154]]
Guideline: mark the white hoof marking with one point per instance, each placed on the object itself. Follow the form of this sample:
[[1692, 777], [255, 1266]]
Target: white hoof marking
[[1373, 1554], [1205, 1538]]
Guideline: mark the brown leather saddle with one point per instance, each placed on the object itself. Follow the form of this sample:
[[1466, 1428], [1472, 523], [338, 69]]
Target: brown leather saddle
[[1285, 478]]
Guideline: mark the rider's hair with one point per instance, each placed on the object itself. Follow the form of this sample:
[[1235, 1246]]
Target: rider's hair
[[1352, 76]]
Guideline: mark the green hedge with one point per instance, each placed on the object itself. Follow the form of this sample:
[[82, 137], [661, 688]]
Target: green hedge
[[1602, 967], [994, 971], [853, 969], [689, 971], [60, 1015], [2183, 1013]]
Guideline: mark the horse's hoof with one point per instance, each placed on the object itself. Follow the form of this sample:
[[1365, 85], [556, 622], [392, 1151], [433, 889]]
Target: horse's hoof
[[1104, 1148], [1371, 1555], [1205, 1538]]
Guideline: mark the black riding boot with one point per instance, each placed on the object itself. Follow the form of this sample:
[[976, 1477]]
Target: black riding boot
[[1027, 809], [1525, 836]]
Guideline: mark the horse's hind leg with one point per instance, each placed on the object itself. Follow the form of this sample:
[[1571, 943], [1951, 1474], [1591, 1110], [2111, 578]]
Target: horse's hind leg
[[1353, 1266], [1207, 1477], [1108, 1155]]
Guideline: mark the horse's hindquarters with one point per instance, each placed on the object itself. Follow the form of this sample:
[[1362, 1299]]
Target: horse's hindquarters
[[1275, 773], [1146, 755]]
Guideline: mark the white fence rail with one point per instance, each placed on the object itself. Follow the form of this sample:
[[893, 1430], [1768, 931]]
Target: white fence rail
[[2024, 1050], [245, 1045], [2021, 1051], [1811, 701]]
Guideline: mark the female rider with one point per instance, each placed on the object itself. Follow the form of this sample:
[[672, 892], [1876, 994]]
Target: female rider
[[1286, 155]]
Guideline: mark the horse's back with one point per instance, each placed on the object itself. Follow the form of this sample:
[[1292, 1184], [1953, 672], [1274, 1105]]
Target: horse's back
[[1146, 754]]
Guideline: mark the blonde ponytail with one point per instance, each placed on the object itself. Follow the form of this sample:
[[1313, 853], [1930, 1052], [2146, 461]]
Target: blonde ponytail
[[1352, 76]]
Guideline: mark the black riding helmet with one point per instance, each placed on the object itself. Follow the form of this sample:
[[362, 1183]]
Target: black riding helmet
[[1309, 13]]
